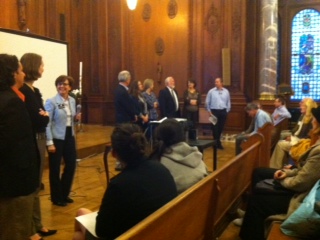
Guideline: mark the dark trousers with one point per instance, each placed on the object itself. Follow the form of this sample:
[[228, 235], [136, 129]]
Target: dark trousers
[[192, 118], [262, 205], [221, 115], [60, 186], [239, 140]]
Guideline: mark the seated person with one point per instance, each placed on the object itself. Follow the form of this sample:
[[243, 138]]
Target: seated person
[[141, 188], [259, 117], [299, 181], [280, 154], [183, 161], [279, 114]]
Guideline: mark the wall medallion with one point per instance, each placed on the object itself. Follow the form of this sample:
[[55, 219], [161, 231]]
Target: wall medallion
[[212, 21], [146, 13], [172, 9], [159, 46]]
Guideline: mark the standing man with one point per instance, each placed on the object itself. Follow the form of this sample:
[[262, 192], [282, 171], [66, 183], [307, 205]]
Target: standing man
[[122, 101], [123, 104], [168, 100], [218, 104]]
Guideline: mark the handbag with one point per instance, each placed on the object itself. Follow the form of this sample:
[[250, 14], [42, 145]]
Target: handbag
[[271, 186], [300, 148], [304, 222]]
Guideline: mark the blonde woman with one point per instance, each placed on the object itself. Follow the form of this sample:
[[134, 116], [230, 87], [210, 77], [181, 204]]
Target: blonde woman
[[301, 131]]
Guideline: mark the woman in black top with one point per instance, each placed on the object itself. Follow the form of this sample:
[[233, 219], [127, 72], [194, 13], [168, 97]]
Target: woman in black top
[[33, 68], [141, 188]]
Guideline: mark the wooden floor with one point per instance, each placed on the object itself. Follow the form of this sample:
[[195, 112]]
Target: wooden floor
[[90, 182]]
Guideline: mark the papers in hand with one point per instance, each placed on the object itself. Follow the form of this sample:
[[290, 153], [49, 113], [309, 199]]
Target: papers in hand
[[89, 222], [161, 120], [213, 120]]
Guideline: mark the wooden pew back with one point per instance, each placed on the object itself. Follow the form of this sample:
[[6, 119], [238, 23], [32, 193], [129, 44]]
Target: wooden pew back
[[266, 130], [196, 213]]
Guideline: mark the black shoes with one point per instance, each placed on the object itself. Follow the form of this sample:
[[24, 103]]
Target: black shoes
[[64, 203], [48, 233], [69, 200], [60, 204]]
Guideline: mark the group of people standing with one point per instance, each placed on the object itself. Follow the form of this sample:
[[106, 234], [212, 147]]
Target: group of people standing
[[28, 128], [136, 102]]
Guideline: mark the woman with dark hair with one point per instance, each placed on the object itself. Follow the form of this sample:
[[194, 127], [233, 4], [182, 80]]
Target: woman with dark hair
[[61, 141], [19, 157], [183, 161], [33, 68], [192, 100], [297, 182], [141, 188], [140, 104]]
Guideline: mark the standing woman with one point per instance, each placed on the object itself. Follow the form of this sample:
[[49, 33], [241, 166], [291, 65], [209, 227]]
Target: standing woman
[[19, 157], [192, 99], [151, 99], [61, 141], [140, 104], [33, 68]]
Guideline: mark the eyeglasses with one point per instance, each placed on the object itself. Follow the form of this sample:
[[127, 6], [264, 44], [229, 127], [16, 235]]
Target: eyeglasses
[[63, 84]]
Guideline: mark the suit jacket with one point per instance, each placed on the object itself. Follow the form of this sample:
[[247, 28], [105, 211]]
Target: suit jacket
[[19, 155], [56, 128], [167, 104], [33, 102], [132, 195], [125, 109]]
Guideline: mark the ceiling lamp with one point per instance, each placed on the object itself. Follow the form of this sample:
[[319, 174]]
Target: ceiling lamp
[[132, 4]]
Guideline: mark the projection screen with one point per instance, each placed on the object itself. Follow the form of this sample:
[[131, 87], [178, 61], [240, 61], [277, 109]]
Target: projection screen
[[54, 54]]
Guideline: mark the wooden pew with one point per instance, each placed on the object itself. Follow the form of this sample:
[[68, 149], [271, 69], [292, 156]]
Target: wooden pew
[[198, 212], [266, 130]]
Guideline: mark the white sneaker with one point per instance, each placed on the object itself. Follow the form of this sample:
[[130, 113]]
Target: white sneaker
[[238, 222], [240, 213]]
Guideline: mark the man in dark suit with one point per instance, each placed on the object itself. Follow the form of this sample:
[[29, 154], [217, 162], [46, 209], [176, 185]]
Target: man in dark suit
[[123, 103], [168, 100]]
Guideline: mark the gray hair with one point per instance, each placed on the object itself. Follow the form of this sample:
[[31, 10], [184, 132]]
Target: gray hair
[[166, 81], [147, 83], [251, 106], [124, 76]]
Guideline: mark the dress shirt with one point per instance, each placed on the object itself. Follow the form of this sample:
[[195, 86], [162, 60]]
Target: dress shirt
[[283, 113], [174, 95], [261, 118], [218, 99]]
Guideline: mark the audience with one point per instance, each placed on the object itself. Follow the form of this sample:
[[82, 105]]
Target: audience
[[61, 141], [19, 156], [298, 182], [33, 68], [280, 154], [183, 161], [142, 187]]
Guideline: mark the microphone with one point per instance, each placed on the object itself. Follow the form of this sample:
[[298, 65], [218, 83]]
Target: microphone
[[78, 108]]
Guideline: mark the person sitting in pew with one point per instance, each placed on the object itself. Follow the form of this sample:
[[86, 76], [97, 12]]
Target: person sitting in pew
[[141, 188], [292, 186], [183, 161], [301, 131], [259, 116]]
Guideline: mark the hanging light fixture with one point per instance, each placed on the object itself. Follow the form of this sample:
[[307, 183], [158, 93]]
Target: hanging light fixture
[[132, 4]]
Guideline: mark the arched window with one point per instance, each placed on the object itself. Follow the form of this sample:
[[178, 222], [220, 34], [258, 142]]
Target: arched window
[[305, 55]]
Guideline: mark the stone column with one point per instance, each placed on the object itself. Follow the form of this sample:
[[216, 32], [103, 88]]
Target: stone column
[[268, 49]]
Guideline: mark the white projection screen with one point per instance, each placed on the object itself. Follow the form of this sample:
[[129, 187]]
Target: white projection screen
[[54, 54]]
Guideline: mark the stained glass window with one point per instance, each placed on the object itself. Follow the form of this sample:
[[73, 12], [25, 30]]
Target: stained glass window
[[305, 55]]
